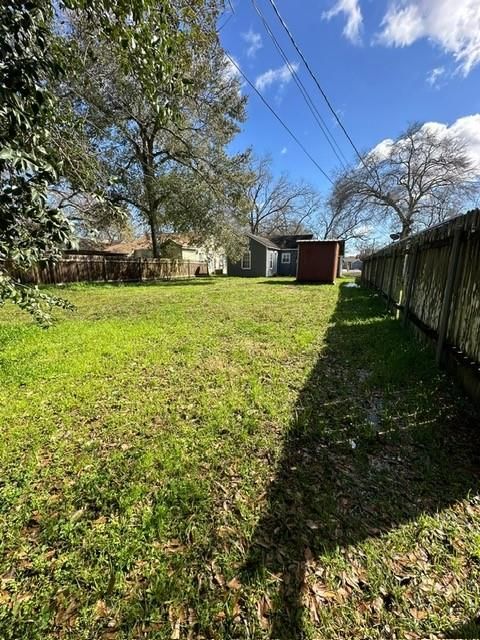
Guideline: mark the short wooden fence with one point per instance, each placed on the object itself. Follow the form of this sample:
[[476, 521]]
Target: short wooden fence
[[96, 268], [433, 278]]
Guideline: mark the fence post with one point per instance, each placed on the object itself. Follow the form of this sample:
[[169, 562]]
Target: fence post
[[390, 282], [51, 266], [366, 272], [382, 275], [140, 274], [411, 281], [104, 268], [447, 296]]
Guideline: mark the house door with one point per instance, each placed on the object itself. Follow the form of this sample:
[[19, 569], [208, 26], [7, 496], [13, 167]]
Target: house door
[[272, 261]]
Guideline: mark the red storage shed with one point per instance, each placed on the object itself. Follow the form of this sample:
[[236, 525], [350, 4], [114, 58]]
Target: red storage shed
[[318, 260]]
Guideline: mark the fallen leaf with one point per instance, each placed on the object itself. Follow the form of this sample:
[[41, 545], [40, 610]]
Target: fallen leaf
[[65, 616], [173, 546], [77, 515], [234, 584], [323, 593], [377, 604], [264, 607], [418, 614], [101, 610], [177, 617]]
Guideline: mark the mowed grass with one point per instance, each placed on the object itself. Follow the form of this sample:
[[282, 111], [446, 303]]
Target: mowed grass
[[230, 458]]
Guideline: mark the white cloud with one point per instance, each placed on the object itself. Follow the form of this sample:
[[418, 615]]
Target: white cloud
[[434, 75], [254, 41], [280, 76], [466, 128], [284, 151], [353, 13], [382, 149], [402, 26], [452, 24]]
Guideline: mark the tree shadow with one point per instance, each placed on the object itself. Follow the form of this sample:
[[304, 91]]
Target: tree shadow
[[292, 282], [378, 437], [470, 630]]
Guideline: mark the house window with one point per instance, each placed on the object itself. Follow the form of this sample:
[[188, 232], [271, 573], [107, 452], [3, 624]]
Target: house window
[[247, 260], [286, 258], [271, 260]]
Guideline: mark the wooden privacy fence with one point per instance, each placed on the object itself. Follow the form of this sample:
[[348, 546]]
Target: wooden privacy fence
[[434, 279], [95, 268]]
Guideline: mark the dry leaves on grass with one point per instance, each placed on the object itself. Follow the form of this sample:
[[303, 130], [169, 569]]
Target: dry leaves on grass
[[66, 613], [101, 610], [182, 620], [264, 609]]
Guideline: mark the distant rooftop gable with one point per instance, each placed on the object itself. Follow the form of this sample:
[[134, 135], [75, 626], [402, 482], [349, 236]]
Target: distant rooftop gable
[[144, 243], [290, 241], [265, 241], [280, 242]]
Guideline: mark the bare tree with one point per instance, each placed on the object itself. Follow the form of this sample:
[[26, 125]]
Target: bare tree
[[278, 205], [420, 179], [346, 222], [367, 247]]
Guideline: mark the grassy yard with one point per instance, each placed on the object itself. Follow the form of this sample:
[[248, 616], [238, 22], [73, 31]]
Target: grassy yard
[[233, 459]]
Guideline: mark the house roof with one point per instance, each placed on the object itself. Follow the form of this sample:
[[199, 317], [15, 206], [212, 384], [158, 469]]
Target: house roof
[[144, 243], [129, 247], [280, 242], [265, 241], [290, 241]]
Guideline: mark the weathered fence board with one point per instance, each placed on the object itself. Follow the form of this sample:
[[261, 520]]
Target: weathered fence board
[[94, 268], [434, 279]]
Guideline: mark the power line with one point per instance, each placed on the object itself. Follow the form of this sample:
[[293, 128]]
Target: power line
[[303, 90], [275, 114], [305, 62]]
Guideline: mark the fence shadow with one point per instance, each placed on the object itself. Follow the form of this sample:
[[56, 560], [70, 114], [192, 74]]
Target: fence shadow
[[468, 631], [348, 470]]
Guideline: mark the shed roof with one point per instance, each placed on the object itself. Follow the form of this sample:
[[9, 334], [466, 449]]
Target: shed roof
[[341, 243]]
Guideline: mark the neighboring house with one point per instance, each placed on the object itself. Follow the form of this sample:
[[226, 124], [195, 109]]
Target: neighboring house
[[266, 257], [352, 263], [176, 247]]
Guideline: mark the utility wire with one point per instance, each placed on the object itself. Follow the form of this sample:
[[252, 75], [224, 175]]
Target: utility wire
[[305, 62], [275, 114], [303, 90]]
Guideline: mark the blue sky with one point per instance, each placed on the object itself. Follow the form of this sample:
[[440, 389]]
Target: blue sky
[[383, 64]]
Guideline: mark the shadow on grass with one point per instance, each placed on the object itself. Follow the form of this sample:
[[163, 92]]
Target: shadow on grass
[[468, 631], [291, 281], [377, 439]]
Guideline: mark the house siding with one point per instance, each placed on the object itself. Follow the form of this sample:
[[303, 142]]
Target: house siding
[[287, 269], [258, 263]]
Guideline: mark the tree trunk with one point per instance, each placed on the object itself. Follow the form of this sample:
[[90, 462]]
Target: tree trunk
[[406, 229], [153, 236]]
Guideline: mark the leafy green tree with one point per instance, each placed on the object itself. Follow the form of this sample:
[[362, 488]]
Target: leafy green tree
[[147, 38], [148, 156], [30, 230]]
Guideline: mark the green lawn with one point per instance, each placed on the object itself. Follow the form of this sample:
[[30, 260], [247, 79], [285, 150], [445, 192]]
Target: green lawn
[[233, 459]]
